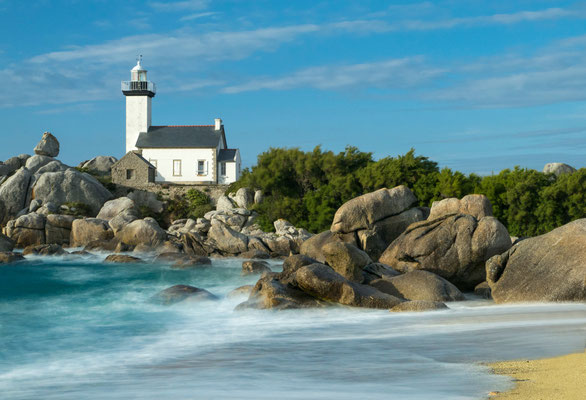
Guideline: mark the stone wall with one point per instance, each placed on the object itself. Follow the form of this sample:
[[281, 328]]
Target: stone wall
[[141, 176], [170, 191]]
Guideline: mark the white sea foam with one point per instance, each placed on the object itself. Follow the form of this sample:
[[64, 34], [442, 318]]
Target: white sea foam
[[96, 336]]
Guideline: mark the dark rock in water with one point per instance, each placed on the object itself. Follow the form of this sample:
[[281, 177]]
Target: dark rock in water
[[323, 283], [6, 244], [48, 146], [180, 293], [255, 254], [483, 290], [255, 267], [182, 260], [102, 245], [549, 267], [241, 291], [419, 285], [377, 271], [347, 260], [455, 247], [270, 293], [122, 259], [418, 306], [7, 257], [45, 250], [293, 263]]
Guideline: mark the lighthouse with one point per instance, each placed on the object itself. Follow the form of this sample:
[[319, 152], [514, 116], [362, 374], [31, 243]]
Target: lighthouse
[[139, 93]]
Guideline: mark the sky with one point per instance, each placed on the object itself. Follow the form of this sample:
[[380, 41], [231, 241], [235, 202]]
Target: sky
[[477, 86]]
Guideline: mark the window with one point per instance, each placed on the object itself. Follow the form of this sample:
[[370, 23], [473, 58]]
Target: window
[[130, 174], [201, 167], [153, 163], [176, 167], [223, 169]]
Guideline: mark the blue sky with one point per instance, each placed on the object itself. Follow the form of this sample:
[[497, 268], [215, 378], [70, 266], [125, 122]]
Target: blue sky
[[477, 86]]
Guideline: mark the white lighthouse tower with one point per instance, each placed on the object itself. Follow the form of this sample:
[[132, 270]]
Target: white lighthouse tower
[[139, 93]]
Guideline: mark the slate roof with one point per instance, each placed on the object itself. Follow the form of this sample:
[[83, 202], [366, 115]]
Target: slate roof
[[227, 155], [181, 137], [133, 154]]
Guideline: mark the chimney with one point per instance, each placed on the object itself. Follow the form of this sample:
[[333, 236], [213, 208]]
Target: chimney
[[218, 123]]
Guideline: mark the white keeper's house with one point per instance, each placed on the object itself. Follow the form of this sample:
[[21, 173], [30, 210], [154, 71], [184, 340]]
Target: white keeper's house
[[180, 154]]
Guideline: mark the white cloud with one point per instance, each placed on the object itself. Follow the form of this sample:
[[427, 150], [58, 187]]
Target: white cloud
[[188, 5], [191, 17], [395, 73]]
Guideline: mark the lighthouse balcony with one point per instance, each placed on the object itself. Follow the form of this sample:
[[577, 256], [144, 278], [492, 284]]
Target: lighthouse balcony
[[139, 88]]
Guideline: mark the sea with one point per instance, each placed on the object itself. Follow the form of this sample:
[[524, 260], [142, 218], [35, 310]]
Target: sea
[[82, 329]]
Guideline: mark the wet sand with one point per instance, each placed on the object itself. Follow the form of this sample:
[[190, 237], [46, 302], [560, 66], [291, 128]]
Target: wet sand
[[560, 378]]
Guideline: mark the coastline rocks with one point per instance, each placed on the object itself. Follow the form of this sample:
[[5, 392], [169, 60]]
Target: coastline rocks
[[13, 194], [558, 169], [312, 247], [255, 254], [6, 244], [374, 241], [58, 229], [118, 222], [255, 267], [112, 208], [27, 230], [363, 211], [241, 291], [122, 259], [323, 283], [85, 231], [270, 293], [180, 293], [48, 146], [36, 162], [347, 260], [224, 203], [146, 199], [71, 186], [419, 306], [144, 232], [549, 267], [454, 247], [476, 205], [44, 250], [8, 257], [100, 165], [244, 198], [419, 285], [227, 240]]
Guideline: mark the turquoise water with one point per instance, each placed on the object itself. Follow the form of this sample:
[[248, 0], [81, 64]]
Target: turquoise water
[[84, 330]]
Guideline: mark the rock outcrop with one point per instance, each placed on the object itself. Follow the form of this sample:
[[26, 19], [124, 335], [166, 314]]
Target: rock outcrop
[[476, 205], [419, 285], [180, 293], [558, 169], [6, 244], [372, 221], [346, 259], [85, 231], [27, 230], [13, 194], [550, 267], [48, 146], [100, 165], [454, 247], [255, 267], [71, 186], [143, 231]]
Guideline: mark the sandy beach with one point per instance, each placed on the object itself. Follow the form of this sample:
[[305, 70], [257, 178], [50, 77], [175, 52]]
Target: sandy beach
[[560, 378]]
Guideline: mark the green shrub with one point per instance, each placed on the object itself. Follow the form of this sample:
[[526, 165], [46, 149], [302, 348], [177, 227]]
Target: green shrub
[[307, 188]]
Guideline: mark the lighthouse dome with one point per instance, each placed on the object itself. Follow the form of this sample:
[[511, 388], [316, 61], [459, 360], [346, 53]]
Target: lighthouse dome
[[138, 67]]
